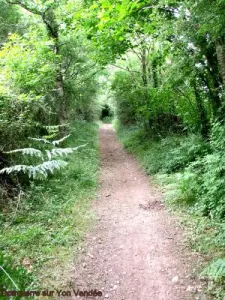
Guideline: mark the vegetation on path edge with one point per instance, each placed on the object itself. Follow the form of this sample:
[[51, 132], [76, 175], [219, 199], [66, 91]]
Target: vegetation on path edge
[[51, 218], [167, 161]]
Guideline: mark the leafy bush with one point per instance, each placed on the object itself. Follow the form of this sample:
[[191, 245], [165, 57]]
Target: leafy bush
[[128, 98], [145, 105], [166, 155], [205, 178], [183, 150]]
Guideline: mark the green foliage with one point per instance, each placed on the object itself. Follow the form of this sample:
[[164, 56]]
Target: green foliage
[[41, 171], [183, 151], [12, 277], [48, 76], [127, 98], [80, 80], [170, 85], [201, 183], [27, 73], [28, 64], [166, 155], [107, 120], [208, 174], [36, 172], [9, 21], [216, 270], [152, 103], [217, 139], [49, 221], [36, 68]]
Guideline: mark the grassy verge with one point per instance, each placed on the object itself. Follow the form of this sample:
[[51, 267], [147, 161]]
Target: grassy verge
[[165, 159], [42, 232]]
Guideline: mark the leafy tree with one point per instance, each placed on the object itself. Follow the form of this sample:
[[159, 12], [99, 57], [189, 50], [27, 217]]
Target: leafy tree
[[9, 21]]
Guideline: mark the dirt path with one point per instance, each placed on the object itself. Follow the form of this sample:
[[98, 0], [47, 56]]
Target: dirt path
[[135, 251]]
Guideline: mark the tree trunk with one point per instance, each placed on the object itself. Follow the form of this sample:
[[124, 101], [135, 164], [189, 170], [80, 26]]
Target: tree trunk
[[155, 74], [62, 103], [204, 126], [48, 18], [220, 51], [53, 32], [144, 67], [144, 75], [213, 78]]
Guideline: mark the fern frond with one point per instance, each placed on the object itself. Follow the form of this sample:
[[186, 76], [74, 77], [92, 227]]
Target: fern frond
[[44, 168], [36, 172], [15, 169], [59, 152], [62, 151], [40, 140], [55, 143], [27, 151], [55, 127]]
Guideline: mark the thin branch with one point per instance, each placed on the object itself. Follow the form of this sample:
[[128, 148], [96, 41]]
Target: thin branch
[[86, 79], [138, 54], [185, 96], [68, 66], [32, 10], [126, 69], [76, 72]]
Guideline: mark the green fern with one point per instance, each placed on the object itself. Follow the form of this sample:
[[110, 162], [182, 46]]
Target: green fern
[[27, 151], [45, 141], [37, 172], [54, 143], [48, 165], [51, 128], [61, 151]]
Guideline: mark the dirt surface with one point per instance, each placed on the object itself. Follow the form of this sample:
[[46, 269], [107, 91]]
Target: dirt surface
[[135, 251]]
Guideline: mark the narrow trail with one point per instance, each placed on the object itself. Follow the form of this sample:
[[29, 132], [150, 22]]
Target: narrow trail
[[135, 250]]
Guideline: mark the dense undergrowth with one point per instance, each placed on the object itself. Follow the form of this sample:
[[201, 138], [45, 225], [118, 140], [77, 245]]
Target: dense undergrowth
[[191, 172], [41, 229]]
